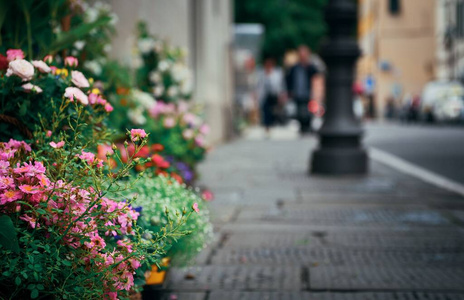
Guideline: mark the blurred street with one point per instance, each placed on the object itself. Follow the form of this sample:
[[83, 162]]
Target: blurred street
[[283, 235], [436, 148]]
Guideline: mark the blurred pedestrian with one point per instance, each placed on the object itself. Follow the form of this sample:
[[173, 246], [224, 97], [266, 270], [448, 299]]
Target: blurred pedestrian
[[301, 80], [413, 114], [270, 91]]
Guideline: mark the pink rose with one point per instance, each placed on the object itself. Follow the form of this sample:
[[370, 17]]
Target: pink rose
[[21, 68], [57, 145], [195, 207], [187, 134], [108, 107], [13, 54], [79, 79], [49, 133], [204, 129], [169, 122], [200, 141], [28, 87], [73, 92], [48, 59], [71, 61], [137, 134], [41, 66]]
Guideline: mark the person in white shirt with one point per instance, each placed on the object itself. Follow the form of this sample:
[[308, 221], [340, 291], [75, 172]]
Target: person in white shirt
[[270, 91]]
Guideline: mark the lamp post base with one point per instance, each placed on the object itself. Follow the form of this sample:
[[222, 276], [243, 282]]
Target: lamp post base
[[339, 161]]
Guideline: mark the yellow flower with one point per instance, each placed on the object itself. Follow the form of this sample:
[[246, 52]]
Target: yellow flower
[[90, 80], [94, 90], [63, 72]]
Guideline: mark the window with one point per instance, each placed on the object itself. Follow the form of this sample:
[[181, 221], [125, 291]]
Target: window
[[394, 6]]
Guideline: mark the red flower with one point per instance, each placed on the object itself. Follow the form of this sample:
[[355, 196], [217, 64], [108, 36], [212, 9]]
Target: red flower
[[177, 177], [157, 147], [3, 62], [159, 161]]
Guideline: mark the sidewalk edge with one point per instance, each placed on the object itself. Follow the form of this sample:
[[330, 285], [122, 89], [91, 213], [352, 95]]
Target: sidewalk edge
[[415, 171]]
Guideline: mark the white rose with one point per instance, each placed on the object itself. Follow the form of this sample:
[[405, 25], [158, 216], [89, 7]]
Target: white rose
[[41, 66], [79, 79], [28, 87], [21, 68], [73, 92]]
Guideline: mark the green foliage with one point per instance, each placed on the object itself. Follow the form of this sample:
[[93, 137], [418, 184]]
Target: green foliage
[[164, 200], [288, 23], [49, 26], [8, 239]]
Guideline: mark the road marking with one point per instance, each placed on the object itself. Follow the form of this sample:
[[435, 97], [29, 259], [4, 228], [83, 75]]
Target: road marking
[[416, 171]]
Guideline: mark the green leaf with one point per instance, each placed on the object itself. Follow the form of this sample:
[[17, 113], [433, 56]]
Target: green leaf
[[67, 263], [18, 281], [34, 294], [68, 38], [8, 237]]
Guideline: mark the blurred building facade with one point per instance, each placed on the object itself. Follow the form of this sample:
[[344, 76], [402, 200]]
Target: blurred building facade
[[450, 39], [398, 42], [204, 28]]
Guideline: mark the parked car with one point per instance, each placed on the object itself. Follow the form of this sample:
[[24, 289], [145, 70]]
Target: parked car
[[442, 101]]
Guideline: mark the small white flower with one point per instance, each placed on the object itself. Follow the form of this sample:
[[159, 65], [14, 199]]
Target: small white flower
[[155, 77], [79, 45], [144, 99], [186, 87], [173, 91], [158, 91], [107, 48], [93, 66], [114, 19], [136, 62], [136, 116], [180, 72], [145, 45], [163, 65], [91, 15]]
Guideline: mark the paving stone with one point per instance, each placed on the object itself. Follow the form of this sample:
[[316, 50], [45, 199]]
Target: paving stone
[[266, 239], [221, 295], [181, 296], [336, 257], [358, 216], [235, 278], [391, 278], [426, 240]]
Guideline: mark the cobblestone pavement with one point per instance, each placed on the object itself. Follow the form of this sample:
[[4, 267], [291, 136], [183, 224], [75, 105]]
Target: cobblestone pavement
[[283, 235]]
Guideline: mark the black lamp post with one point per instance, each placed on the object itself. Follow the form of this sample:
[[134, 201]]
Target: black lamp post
[[340, 150]]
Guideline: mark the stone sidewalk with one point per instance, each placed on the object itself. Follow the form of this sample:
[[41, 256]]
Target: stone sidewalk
[[283, 235]]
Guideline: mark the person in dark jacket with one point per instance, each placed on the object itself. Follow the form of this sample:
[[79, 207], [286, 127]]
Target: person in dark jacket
[[300, 85]]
